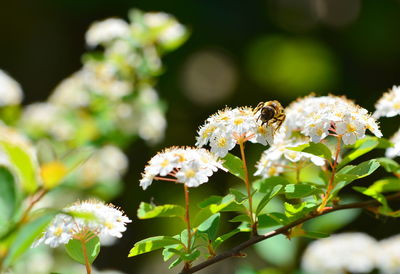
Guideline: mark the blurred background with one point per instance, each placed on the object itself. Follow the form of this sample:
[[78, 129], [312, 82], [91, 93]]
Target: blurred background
[[239, 53]]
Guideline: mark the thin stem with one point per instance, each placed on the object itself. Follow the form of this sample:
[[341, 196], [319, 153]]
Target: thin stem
[[236, 251], [36, 198], [332, 178], [187, 220], [87, 263], [248, 188], [165, 179]]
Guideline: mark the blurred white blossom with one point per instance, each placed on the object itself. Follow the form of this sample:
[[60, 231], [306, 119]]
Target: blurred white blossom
[[222, 130], [71, 92], [108, 164], [190, 166], [388, 257], [317, 117], [341, 254], [105, 31], [389, 104], [394, 151], [10, 90]]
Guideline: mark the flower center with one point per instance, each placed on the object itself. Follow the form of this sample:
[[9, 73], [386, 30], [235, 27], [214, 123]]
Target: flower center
[[221, 142], [190, 173], [351, 128], [58, 231], [165, 163]]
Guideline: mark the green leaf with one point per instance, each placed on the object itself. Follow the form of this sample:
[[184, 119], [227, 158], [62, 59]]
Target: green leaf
[[266, 221], [175, 263], [26, 236], [24, 166], [273, 191], [239, 196], [171, 250], [361, 147], [294, 191], [317, 149], [224, 237], [75, 250], [148, 211], [210, 226], [151, 244], [192, 256], [265, 185], [226, 203], [240, 218], [298, 210], [350, 173], [234, 165], [7, 199], [388, 164]]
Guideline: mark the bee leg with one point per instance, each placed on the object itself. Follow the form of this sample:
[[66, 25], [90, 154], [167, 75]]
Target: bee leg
[[258, 107]]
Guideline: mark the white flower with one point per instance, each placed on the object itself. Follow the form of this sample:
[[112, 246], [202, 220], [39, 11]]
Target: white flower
[[10, 91], [106, 31], [394, 151], [274, 160], [389, 104], [317, 117], [190, 166], [77, 219], [388, 257], [341, 253], [223, 129]]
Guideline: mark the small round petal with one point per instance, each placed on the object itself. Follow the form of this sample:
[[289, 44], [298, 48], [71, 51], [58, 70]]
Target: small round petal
[[389, 104], [106, 31]]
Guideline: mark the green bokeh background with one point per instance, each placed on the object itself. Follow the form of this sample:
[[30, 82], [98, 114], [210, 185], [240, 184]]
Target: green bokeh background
[[278, 49]]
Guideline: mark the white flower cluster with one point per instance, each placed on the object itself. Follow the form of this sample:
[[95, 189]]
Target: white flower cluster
[[340, 254], [317, 117], [190, 166], [388, 260], [389, 104], [274, 160], [10, 91], [105, 31], [97, 217], [352, 252], [223, 129]]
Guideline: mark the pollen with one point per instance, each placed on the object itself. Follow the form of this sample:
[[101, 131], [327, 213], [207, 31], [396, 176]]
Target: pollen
[[165, 163], [221, 142], [58, 231], [351, 128], [238, 121], [190, 173], [320, 132]]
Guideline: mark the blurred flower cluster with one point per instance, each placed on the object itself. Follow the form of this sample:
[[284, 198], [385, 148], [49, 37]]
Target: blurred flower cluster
[[70, 146], [353, 252]]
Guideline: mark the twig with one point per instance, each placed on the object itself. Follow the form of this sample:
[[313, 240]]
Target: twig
[[236, 251]]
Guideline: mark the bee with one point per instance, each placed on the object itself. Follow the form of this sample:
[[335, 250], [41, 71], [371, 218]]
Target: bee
[[271, 113]]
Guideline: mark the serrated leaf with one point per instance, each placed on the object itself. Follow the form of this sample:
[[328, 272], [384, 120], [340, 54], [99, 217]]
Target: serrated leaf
[[24, 166], [271, 193], [388, 164], [266, 221], [148, 211], [350, 173], [234, 165], [210, 226], [75, 250], [151, 244], [175, 263], [26, 236], [224, 237], [317, 149], [7, 199], [361, 147], [294, 191]]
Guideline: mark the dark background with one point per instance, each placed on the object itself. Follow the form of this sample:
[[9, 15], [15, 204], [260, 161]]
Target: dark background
[[263, 49]]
